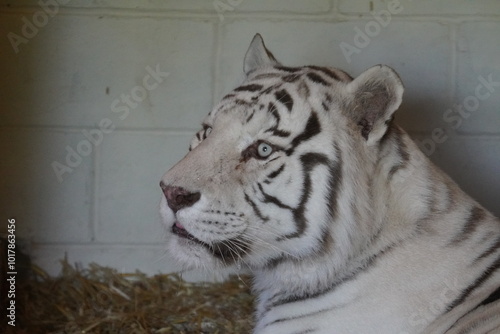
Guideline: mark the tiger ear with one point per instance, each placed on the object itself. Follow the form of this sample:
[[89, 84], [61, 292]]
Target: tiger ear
[[258, 56], [374, 96]]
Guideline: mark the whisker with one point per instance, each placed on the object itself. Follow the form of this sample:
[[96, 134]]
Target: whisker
[[231, 244], [222, 255], [263, 243]]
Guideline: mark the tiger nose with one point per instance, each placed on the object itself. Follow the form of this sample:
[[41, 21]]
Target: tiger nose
[[178, 198]]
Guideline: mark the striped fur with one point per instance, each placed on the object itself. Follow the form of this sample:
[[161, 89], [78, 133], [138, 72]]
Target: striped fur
[[301, 176]]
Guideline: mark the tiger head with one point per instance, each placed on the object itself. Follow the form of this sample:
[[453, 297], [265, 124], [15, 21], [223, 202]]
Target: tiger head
[[265, 179]]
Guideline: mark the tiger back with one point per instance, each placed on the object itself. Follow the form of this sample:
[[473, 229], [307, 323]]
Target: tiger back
[[301, 176]]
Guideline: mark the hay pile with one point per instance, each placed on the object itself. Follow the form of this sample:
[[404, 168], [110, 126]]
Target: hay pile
[[101, 300]]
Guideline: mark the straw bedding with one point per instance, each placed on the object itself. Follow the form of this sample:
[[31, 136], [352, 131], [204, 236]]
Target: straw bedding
[[101, 300]]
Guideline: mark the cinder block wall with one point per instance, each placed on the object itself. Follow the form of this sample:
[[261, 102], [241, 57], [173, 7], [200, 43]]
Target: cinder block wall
[[99, 98]]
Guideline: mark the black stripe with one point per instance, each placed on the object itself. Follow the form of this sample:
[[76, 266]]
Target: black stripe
[[271, 199], [249, 118], [255, 209], [306, 331], [285, 98], [490, 250], [334, 182], [309, 161], [276, 172], [476, 215], [206, 127], [281, 133], [269, 89], [317, 79], [271, 108], [313, 127], [288, 69], [228, 96], [325, 241], [324, 105], [274, 129], [402, 151], [271, 160], [301, 316], [272, 263], [451, 200], [493, 297], [241, 102], [476, 284], [249, 88], [266, 76], [291, 77], [326, 71], [220, 109]]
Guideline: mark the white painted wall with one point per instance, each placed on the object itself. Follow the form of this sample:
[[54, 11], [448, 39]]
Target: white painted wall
[[137, 77]]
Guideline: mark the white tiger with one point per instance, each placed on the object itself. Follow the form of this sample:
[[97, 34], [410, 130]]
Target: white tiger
[[301, 176]]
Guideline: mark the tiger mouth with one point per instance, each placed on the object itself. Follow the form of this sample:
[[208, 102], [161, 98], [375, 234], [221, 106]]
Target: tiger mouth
[[221, 250], [180, 231]]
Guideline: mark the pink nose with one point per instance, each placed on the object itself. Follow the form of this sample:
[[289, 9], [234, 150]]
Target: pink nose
[[178, 198]]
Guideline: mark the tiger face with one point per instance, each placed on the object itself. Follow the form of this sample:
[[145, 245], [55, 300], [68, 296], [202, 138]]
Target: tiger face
[[261, 181]]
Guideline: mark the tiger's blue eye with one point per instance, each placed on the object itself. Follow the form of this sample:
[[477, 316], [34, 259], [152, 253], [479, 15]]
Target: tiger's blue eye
[[264, 150]]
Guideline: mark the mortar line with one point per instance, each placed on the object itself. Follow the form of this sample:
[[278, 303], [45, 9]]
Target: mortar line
[[78, 129], [453, 63], [65, 244], [334, 10], [186, 14], [95, 192], [217, 54]]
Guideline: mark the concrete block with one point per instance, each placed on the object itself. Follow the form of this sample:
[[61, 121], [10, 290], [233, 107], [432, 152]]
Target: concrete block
[[46, 208], [423, 7], [131, 167], [170, 5], [78, 70], [473, 163], [478, 81], [221, 7]]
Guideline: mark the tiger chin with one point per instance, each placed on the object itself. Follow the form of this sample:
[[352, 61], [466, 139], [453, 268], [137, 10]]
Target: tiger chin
[[301, 176]]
